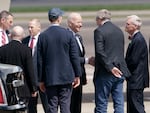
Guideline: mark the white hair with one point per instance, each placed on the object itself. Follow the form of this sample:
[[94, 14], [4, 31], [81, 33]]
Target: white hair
[[135, 20], [72, 16]]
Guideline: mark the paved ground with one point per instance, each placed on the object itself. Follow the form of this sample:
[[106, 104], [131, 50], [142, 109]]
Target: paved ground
[[87, 33], [88, 96]]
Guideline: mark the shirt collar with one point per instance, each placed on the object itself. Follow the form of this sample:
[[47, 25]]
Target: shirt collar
[[54, 25], [103, 22], [135, 32], [36, 36], [72, 31]]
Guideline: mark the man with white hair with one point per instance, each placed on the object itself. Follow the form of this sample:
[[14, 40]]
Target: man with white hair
[[137, 62], [75, 23], [110, 65]]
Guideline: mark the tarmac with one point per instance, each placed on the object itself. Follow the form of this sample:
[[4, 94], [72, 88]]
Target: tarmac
[[87, 33], [88, 96]]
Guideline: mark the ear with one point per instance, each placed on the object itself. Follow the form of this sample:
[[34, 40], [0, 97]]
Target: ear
[[136, 27], [2, 20]]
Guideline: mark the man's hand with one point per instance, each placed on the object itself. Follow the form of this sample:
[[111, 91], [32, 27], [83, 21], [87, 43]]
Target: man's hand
[[34, 94], [116, 72], [76, 82], [92, 61], [42, 86]]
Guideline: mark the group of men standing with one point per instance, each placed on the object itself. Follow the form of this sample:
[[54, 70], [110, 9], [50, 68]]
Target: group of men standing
[[55, 66]]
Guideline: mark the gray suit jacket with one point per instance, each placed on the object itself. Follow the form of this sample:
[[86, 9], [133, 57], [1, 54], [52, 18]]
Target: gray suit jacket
[[109, 50]]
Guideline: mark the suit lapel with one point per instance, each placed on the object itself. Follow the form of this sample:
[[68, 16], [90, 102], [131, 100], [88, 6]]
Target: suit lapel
[[81, 42]]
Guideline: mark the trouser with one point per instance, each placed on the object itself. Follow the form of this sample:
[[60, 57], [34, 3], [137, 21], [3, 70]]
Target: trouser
[[33, 101], [135, 102], [59, 95], [76, 100]]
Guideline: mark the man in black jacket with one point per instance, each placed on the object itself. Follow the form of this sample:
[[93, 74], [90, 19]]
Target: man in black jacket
[[16, 53], [137, 62]]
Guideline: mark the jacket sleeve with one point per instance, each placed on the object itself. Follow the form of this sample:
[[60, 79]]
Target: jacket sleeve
[[75, 57], [100, 52]]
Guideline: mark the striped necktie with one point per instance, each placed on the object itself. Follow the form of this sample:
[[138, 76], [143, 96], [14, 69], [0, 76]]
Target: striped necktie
[[3, 38]]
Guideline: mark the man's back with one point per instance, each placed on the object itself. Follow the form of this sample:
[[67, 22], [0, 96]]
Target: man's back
[[14, 53], [18, 54], [59, 51], [111, 50]]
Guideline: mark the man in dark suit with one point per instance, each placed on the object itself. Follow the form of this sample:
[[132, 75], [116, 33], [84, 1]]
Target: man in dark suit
[[16, 53], [110, 65], [34, 28], [137, 62], [58, 63], [75, 24]]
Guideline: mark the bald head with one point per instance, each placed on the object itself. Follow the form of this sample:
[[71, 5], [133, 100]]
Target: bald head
[[17, 33], [74, 21]]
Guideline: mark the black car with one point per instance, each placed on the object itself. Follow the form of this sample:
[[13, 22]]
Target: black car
[[11, 79]]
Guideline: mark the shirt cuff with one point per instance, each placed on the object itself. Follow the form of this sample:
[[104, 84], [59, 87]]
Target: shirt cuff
[[86, 60]]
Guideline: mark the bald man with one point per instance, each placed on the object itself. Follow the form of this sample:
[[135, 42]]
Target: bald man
[[16, 53]]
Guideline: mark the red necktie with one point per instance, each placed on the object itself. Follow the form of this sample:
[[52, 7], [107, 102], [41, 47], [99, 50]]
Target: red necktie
[[3, 38], [32, 42], [1, 96]]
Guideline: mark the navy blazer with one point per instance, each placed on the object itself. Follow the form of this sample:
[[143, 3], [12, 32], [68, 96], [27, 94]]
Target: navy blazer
[[82, 60], [137, 62], [109, 50], [58, 61]]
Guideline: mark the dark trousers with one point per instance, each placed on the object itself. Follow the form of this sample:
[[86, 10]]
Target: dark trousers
[[76, 100], [59, 95], [33, 101], [135, 102]]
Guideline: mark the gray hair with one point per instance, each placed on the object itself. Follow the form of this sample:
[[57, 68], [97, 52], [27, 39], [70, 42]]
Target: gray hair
[[135, 20], [73, 16], [103, 14]]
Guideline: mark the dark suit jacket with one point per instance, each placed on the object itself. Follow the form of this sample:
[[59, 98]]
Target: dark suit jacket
[[82, 61], [34, 56], [18, 54], [137, 62], [109, 50], [58, 61]]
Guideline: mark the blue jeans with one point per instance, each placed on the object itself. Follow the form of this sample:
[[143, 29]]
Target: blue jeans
[[104, 86]]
